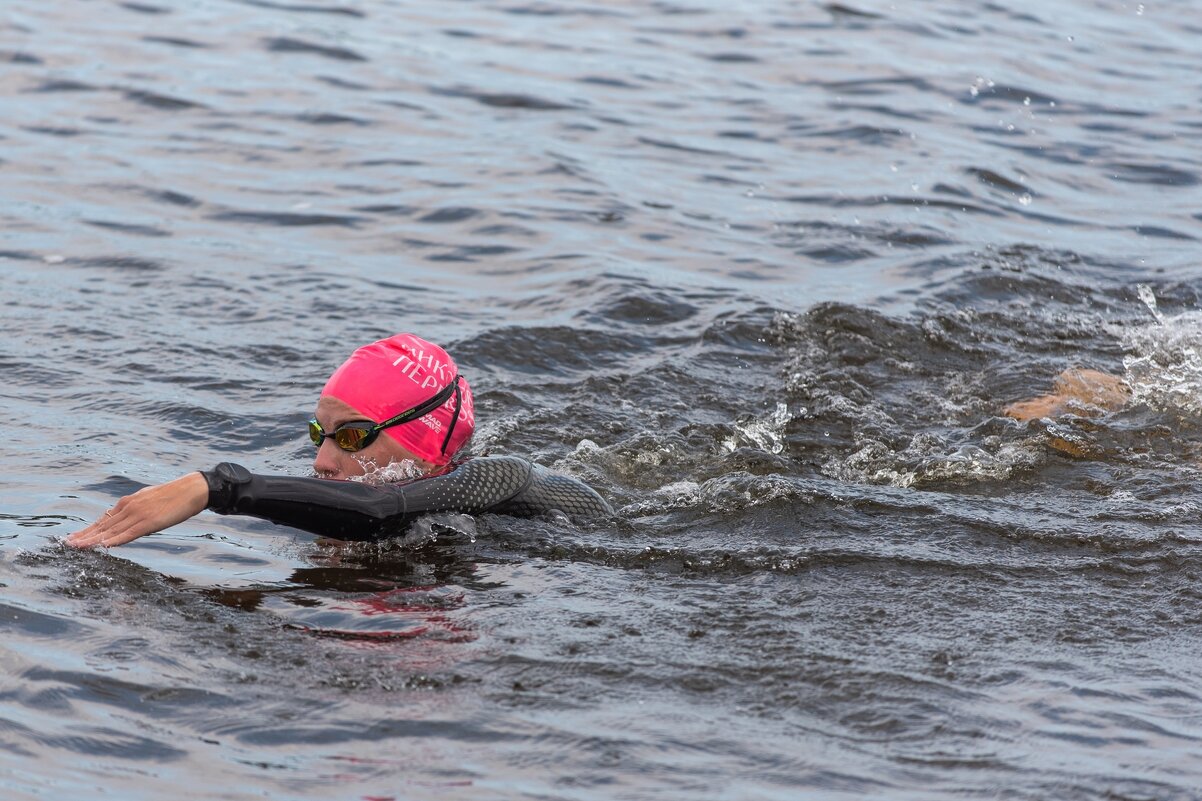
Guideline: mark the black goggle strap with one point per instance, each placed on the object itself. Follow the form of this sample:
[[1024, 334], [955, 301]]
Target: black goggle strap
[[424, 409], [455, 415]]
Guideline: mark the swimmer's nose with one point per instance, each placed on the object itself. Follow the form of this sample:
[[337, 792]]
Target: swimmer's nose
[[327, 464]]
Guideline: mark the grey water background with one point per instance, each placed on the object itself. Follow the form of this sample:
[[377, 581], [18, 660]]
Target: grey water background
[[763, 273]]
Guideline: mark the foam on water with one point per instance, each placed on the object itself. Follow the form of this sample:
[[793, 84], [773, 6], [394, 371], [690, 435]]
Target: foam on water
[[402, 470], [928, 459], [1164, 363], [766, 434]]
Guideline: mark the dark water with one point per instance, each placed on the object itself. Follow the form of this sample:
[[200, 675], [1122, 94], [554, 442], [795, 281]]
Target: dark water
[[762, 273]]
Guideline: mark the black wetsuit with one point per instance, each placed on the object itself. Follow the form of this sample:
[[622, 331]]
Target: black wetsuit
[[350, 510]]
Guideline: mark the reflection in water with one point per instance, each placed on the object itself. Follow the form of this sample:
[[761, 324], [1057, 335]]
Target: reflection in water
[[370, 592]]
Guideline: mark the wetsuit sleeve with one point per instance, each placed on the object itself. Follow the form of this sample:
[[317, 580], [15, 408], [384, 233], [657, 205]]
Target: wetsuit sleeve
[[343, 509], [350, 510]]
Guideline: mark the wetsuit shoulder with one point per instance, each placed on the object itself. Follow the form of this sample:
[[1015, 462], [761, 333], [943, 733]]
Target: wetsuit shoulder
[[475, 485], [547, 491]]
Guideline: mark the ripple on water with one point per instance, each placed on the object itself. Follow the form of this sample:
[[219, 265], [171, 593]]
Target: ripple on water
[[766, 280]]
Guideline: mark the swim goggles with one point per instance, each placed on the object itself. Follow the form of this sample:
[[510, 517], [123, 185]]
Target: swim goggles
[[357, 435]]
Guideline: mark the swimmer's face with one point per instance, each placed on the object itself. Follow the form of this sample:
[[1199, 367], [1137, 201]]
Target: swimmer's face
[[333, 462]]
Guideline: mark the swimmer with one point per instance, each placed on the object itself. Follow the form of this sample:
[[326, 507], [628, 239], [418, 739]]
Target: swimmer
[[397, 401], [1079, 391]]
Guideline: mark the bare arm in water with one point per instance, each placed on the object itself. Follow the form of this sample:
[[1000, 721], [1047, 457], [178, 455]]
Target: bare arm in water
[[1086, 393]]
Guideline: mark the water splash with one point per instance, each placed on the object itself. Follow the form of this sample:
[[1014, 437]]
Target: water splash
[[404, 470], [767, 434], [1149, 299], [730, 492], [1164, 365], [927, 459]]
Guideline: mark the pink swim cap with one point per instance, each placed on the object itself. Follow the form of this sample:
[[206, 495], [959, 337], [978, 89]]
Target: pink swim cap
[[397, 374]]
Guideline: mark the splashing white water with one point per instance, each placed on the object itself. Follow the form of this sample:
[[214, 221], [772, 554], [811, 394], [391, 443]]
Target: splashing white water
[[733, 491], [1164, 362], [767, 434], [927, 458], [404, 470]]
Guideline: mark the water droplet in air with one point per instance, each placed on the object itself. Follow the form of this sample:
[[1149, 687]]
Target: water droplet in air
[[1139, 10], [1025, 200], [1149, 298]]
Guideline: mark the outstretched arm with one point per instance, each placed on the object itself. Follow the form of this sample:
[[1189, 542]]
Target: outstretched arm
[[148, 510], [351, 510], [343, 509], [333, 508]]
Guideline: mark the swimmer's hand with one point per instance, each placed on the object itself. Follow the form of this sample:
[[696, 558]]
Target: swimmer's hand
[[148, 510]]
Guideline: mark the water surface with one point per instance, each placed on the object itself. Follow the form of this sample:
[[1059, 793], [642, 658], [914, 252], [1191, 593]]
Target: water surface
[[763, 276]]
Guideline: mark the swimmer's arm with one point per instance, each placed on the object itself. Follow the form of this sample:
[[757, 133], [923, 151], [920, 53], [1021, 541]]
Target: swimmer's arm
[[347, 510], [1084, 392], [353, 511], [342, 509], [147, 511], [332, 508]]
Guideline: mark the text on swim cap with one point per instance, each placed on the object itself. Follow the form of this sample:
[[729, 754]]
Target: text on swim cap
[[417, 369]]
